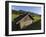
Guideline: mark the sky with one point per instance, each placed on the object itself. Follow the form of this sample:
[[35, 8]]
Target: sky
[[33, 9]]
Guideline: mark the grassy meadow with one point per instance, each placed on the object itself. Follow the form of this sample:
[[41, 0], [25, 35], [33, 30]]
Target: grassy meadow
[[36, 22]]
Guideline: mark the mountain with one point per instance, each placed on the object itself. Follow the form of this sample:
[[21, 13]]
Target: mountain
[[23, 12]]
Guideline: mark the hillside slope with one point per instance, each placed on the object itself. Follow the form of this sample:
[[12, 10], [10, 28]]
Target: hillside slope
[[36, 25]]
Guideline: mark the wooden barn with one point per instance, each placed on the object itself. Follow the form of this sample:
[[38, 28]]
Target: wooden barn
[[23, 21]]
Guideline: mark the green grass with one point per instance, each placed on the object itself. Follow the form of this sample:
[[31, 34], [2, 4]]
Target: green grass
[[14, 16], [34, 17]]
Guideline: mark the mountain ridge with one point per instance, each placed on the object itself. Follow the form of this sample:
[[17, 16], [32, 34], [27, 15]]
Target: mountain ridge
[[23, 12]]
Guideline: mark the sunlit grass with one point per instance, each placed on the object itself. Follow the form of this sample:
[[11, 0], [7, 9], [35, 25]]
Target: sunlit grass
[[14, 16], [34, 17]]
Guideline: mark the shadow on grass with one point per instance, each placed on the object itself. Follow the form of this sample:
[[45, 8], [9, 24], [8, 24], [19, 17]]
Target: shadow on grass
[[35, 26]]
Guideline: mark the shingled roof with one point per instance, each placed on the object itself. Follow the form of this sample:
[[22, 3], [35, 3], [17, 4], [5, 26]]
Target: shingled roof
[[22, 16]]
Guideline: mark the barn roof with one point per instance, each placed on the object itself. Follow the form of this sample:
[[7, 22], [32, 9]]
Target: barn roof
[[22, 16]]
